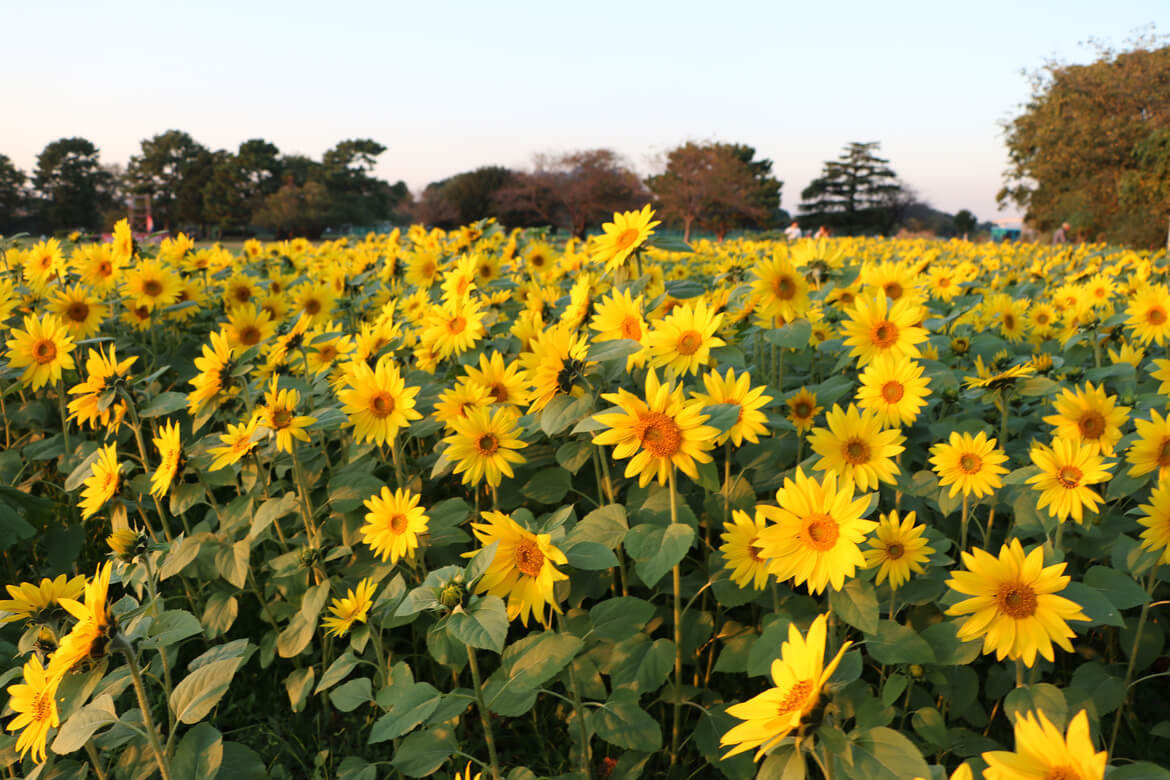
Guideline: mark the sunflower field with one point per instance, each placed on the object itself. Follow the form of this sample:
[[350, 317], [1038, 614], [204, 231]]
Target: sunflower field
[[486, 503]]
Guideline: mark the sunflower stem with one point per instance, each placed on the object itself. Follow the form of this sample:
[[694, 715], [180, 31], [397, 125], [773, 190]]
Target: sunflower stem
[[676, 582], [484, 718], [575, 689], [95, 760], [963, 525], [379, 654], [306, 507], [1059, 535], [1137, 638], [64, 419], [127, 650]]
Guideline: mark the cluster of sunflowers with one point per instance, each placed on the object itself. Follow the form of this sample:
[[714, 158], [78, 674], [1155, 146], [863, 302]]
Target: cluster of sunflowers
[[913, 498]]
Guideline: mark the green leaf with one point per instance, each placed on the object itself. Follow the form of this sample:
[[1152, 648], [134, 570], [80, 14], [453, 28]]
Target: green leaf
[[574, 454], [562, 411], [548, 486], [337, 671], [1094, 604], [590, 556], [1118, 587], [857, 605], [606, 525], [621, 722], [297, 685], [658, 549], [884, 754], [783, 763], [232, 562], [1040, 697], [722, 416], [423, 752], [348, 696], [411, 707], [13, 527], [348, 491], [173, 625], [82, 725], [202, 689], [270, 511], [614, 349], [682, 289], [794, 335], [219, 613], [180, 556], [619, 618], [163, 403], [1139, 770], [199, 755], [484, 624], [948, 649], [641, 665], [897, 644], [245, 763], [537, 658]]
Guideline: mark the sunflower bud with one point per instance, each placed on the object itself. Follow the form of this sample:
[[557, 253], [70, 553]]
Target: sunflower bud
[[127, 544], [960, 345], [451, 593]]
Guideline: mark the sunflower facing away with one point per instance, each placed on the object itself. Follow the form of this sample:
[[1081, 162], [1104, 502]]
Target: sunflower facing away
[[88, 638], [628, 231], [1043, 753], [214, 380], [816, 533], [741, 550], [170, 449], [663, 432], [897, 548], [31, 602], [42, 350], [800, 674], [555, 365], [969, 464], [377, 401], [1067, 468], [103, 485], [351, 608], [394, 524], [484, 445], [523, 571], [1014, 606], [35, 703], [95, 402], [855, 446]]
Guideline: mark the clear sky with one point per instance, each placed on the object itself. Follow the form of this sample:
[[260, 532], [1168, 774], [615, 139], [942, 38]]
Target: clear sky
[[450, 86]]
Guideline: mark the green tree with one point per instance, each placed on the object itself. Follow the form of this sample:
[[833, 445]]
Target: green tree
[[1088, 148], [965, 222], [14, 202], [294, 210], [356, 197], [463, 198], [856, 193], [159, 171], [73, 186]]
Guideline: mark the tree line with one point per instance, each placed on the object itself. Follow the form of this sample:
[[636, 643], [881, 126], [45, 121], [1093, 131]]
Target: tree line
[[709, 186]]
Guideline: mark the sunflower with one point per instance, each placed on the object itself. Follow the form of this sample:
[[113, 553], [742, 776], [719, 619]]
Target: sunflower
[[741, 550], [377, 401], [555, 365], [35, 703], [800, 674], [151, 284], [394, 524], [1014, 606], [1149, 314], [628, 231], [897, 549], [987, 378], [803, 409], [122, 246], [247, 327], [1043, 753], [523, 570], [682, 341], [99, 269], [1067, 468], [279, 415], [455, 402], [44, 262], [970, 464], [781, 289], [237, 442], [1127, 353], [1155, 519], [453, 328], [894, 388], [619, 316], [79, 311], [316, 301], [95, 403], [170, 448], [484, 445], [42, 349], [663, 432], [503, 382], [855, 446], [1161, 372], [88, 638], [1151, 452], [30, 602], [103, 485], [1089, 416], [816, 533], [239, 290], [876, 327], [214, 380], [327, 346], [353, 608], [737, 391]]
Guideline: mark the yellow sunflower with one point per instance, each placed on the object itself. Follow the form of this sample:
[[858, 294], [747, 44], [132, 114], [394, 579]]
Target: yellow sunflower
[[1067, 468], [876, 327], [682, 341], [455, 402], [855, 446], [628, 231], [816, 533], [352, 608], [737, 391], [1014, 606], [151, 284], [89, 636], [452, 329], [279, 415], [1155, 518], [247, 327], [504, 382], [741, 550], [780, 288], [214, 382], [237, 442], [484, 445], [394, 523], [103, 485], [897, 548], [1089, 416], [969, 464], [79, 311], [122, 246], [1151, 452], [895, 389], [523, 571], [1043, 753], [96, 403], [555, 365], [30, 602], [803, 409], [35, 703], [377, 401], [42, 350], [1161, 372], [170, 448], [1149, 314], [799, 674]]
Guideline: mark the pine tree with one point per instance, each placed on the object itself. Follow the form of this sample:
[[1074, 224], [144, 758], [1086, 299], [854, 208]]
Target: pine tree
[[856, 193]]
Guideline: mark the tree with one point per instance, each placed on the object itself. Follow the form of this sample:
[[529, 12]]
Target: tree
[[462, 198], [258, 169], [355, 196], [159, 170], [1089, 146], [72, 184], [856, 193], [965, 222], [294, 210], [14, 201]]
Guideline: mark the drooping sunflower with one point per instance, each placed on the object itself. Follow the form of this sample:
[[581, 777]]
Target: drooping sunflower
[[897, 548], [214, 382], [35, 703], [969, 464], [895, 389], [394, 523], [1149, 314], [1155, 519], [89, 635], [504, 382], [79, 311], [1151, 452], [237, 442], [555, 365], [780, 288], [663, 432], [877, 327], [628, 231], [799, 674], [352, 608], [1067, 468], [855, 446], [170, 448], [741, 550], [42, 350], [30, 602], [377, 401], [1089, 416], [95, 403], [816, 533], [682, 341], [103, 485], [803, 409], [737, 391], [484, 445], [279, 415], [523, 571], [1014, 606], [1043, 753]]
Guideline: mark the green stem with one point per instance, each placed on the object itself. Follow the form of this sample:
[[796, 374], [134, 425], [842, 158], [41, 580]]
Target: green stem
[[1137, 638], [676, 582], [160, 758], [963, 525], [586, 751], [379, 653], [484, 718], [306, 507], [95, 760]]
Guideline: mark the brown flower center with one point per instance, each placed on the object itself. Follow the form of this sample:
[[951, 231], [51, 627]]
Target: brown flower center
[[152, 287], [802, 409], [689, 342], [884, 334], [312, 307], [77, 311], [529, 558], [250, 335], [1009, 321], [856, 452], [970, 463], [381, 404], [785, 288], [242, 294], [1017, 600], [42, 706], [499, 392], [487, 444], [398, 523], [659, 434], [893, 391], [757, 552], [44, 351], [895, 551], [282, 418], [893, 290], [326, 353], [796, 697], [820, 532], [626, 238], [1069, 476], [1092, 425], [1156, 316], [1062, 773]]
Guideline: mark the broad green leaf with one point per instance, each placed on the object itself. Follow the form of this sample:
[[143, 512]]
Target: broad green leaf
[[199, 755], [410, 708], [484, 624], [548, 486], [619, 618], [614, 349], [163, 403], [794, 335], [1117, 586], [894, 643], [1040, 697], [82, 725], [606, 525], [348, 696], [658, 549], [202, 689], [722, 416], [423, 752], [337, 671], [884, 754], [621, 722], [297, 685], [590, 556], [857, 605], [271, 510]]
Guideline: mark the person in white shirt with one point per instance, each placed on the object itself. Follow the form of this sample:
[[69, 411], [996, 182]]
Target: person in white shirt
[[793, 231]]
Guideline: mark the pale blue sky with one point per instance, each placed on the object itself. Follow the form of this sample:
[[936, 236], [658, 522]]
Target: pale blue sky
[[449, 86]]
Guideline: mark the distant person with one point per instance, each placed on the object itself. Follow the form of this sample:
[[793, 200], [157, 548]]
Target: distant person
[[793, 231], [822, 232], [1061, 234]]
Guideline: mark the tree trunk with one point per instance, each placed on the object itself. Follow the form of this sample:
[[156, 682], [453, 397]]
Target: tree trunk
[[687, 229]]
